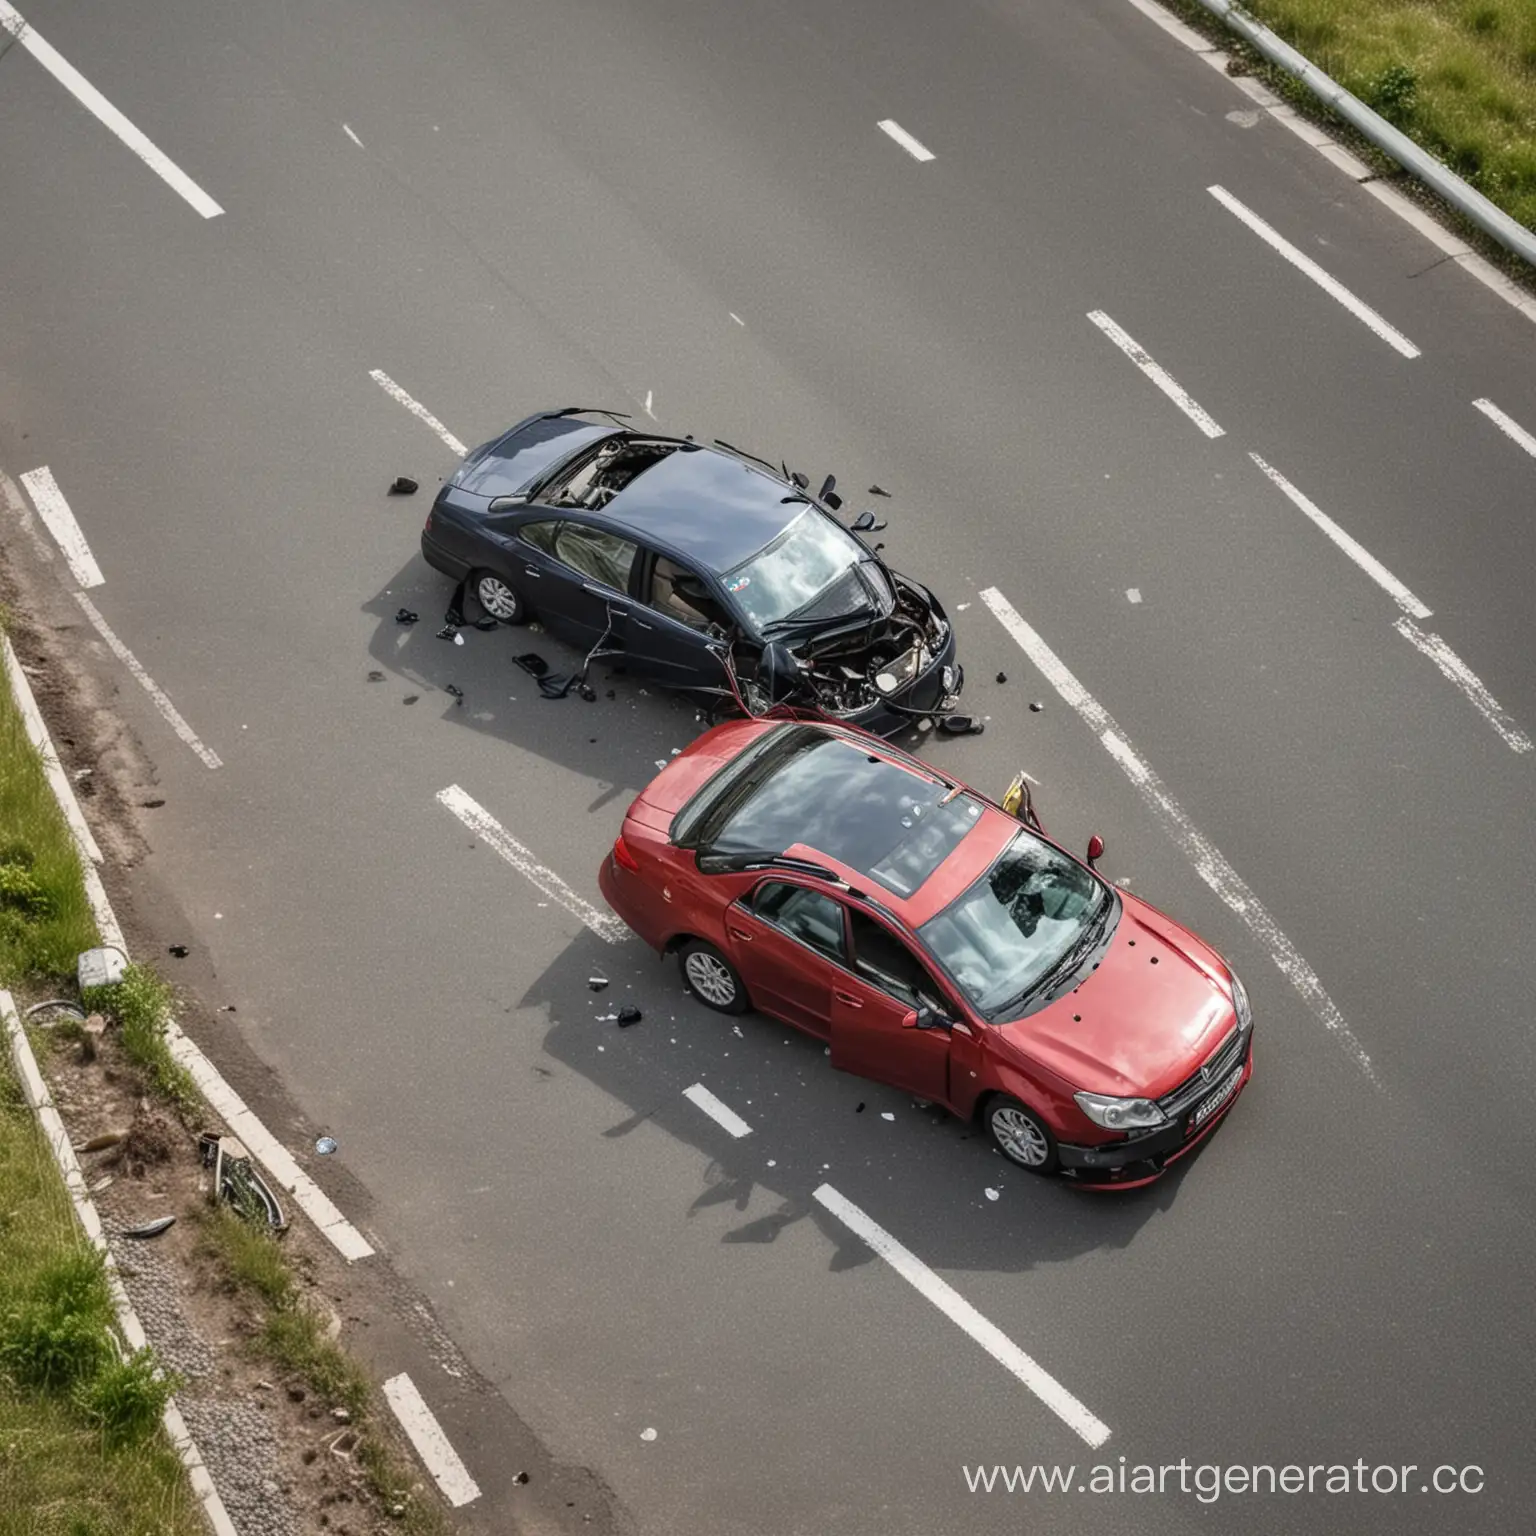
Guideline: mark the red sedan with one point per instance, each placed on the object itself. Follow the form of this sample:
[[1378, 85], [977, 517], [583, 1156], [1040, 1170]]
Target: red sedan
[[937, 942]]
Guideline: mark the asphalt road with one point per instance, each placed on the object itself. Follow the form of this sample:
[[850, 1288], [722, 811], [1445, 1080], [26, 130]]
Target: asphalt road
[[508, 206]]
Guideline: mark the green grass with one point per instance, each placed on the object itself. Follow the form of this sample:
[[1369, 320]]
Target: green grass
[[80, 1454], [1457, 76], [45, 920], [293, 1337], [141, 1004]]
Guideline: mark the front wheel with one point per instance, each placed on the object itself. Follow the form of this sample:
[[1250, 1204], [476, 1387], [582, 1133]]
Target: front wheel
[[500, 600], [1021, 1135], [711, 977]]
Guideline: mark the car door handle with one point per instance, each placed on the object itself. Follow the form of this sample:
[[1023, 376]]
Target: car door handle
[[736, 933], [532, 570], [595, 590], [848, 999], [640, 623]]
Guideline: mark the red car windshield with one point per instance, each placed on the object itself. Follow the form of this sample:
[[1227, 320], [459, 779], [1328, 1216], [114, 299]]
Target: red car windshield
[[1018, 925]]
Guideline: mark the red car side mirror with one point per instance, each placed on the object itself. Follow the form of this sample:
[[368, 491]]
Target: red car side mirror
[[1095, 850], [909, 1019]]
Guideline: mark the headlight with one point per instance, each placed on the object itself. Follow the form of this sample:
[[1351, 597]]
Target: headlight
[[1120, 1114], [1240, 1003], [947, 677]]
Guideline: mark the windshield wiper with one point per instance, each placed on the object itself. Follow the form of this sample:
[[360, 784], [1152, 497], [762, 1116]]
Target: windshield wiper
[[1069, 961]]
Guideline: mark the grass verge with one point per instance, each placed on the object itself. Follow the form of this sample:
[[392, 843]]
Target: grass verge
[[80, 1453], [292, 1335]]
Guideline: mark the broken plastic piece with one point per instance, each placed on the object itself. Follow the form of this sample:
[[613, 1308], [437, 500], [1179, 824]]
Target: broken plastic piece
[[151, 1228], [961, 725], [63, 1005], [236, 1180], [1002, 677], [447, 632], [410, 698], [520, 1479], [325, 1145], [1036, 707], [859, 1108], [597, 983], [628, 1015], [991, 1194], [876, 490], [455, 692], [375, 677], [458, 639], [588, 692], [402, 485], [100, 967], [179, 950], [532, 663], [405, 616]]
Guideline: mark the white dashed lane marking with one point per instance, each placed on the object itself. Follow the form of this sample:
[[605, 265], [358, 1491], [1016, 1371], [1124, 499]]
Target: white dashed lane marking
[[722, 1114], [417, 409], [1159, 375], [1324, 280], [913, 147], [95, 103], [1455, 670], [1507, 425], [432, 1445], [60, 522]]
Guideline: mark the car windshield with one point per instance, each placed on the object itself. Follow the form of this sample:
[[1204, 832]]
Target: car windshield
[[812, 564], [1006, 934]]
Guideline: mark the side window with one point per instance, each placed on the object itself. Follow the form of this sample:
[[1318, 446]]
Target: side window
[[600, 556], [885, 962], [810, 916], [678, 593], [540, 535]]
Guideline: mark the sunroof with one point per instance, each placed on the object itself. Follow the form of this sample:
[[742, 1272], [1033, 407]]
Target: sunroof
[[875, 816]]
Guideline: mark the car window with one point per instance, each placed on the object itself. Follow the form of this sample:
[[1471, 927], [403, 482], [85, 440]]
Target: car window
[[884, 961], [696, 609], [601, 556], [540, 535], [810, 916], [812, 567]]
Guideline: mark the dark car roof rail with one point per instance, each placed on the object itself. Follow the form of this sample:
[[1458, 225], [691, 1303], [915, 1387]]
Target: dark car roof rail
[[584, 410], [762, 859]]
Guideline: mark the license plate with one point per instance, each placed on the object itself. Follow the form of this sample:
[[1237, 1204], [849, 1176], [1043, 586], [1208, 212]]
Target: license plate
[[1216, 1100]]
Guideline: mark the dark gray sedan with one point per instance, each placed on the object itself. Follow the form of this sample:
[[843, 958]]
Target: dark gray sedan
[[697, 565]]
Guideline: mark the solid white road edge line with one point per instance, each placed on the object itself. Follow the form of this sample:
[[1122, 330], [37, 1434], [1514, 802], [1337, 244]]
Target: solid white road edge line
[[1159, 376], [1330, 285], [1457, 671], [913, 147], [1507, 425], [417, 409], [60, 522], [37, 734], [432, 1445], [129, 1326], [722, 1114], [94, 102], [486, 827], [263, 1145], [965, 1317], [151, 687], [1356, 552], [1207, 859]]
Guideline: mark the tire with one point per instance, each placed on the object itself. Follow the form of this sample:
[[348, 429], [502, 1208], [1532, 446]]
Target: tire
[[1019, 1134], [704, 967], [499, 598]]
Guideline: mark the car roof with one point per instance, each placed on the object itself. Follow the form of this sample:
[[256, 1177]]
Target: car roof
[[884, 822], [708, 505]]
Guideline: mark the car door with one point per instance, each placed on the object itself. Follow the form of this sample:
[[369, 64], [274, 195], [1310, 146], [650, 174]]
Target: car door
[[576, 576], [790, 946], [669, 628], [870, 1007]]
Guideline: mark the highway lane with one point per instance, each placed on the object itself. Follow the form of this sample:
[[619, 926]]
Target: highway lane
[[892, 331]]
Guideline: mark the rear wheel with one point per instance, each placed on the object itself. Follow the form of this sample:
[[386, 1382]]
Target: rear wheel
[[711, 977], [1021, 1135], [499, 599]]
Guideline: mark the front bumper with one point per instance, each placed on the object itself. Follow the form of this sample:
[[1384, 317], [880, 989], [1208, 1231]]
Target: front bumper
[[1141, 1159]]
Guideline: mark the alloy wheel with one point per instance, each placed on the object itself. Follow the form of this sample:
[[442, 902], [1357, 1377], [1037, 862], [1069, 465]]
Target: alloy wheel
[[710, 978], [1020, 1137]]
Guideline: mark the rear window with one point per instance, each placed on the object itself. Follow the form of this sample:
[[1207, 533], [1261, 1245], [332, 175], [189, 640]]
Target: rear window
[[806, 785]]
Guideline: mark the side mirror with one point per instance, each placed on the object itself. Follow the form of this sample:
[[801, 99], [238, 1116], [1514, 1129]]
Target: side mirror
[[833, 500], [779, 670], [924, 1018], [1095, 850], [827, 487], [867, 522], [912, 1019]]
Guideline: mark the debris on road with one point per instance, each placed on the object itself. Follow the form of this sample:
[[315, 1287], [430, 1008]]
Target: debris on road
[[878, 490], [992, 1194], [151, 1228], [885, 1114], [61, 1004], [961, 725], [1002, 677], [859, 1108], [403, 485], [236, 1180], [1036, 707], [106, 1139], [597, 983], [628, 1015], [375, 677], [647, 1434], [532, 663], [405, 616], [455, 693], [179, 950], [325, 1145], [410, 698]]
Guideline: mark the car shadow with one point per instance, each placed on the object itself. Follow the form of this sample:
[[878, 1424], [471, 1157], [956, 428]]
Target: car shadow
[[621, 738], [919, 1171]]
